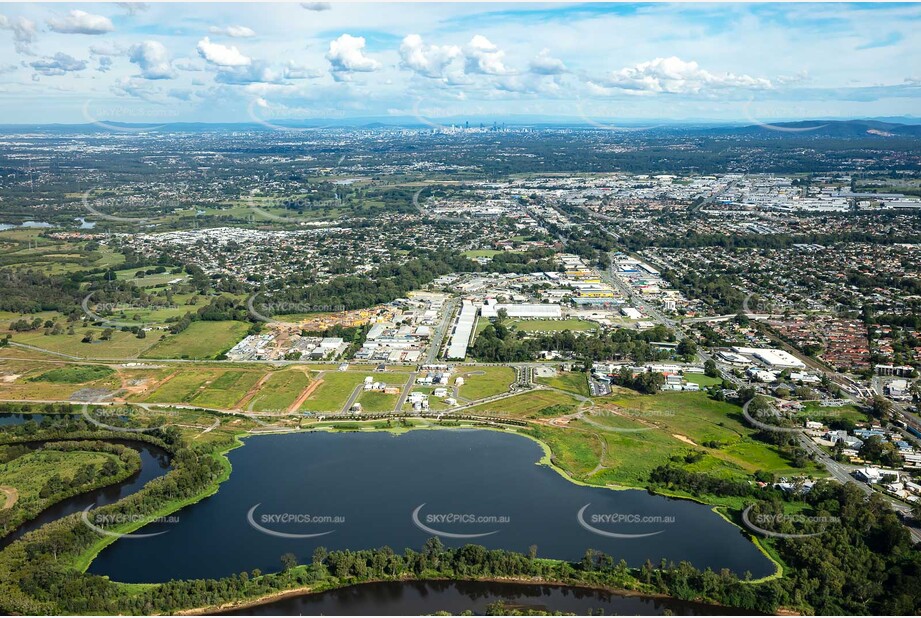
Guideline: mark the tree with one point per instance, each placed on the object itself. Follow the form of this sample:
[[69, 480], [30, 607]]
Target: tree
[[288, 561], [710, 368], [880, 407], [687, 347]]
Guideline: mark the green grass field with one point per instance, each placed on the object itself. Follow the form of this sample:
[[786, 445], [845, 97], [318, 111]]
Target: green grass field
[[552, 326], [226, 389], [280, 391], [74, 374], [813, 411], [334, 390], [201, 340], [482, 382], [530, 405], [475, 253], [20, 379], [677, 423], [373, 401], [573, 381], [183, 386], [703, 380], [29, 473], [122, 345]]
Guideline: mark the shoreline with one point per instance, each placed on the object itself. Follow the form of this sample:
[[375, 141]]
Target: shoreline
[[83, 561], [307, 591]]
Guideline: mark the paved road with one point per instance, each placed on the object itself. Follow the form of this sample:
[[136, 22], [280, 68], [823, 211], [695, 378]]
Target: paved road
[[839, 471], [405, 392], [440, 331]]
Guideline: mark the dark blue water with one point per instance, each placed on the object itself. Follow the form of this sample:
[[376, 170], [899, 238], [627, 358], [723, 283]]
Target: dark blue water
[[375, 481], [155, 462], [11, 418], [426, 598]]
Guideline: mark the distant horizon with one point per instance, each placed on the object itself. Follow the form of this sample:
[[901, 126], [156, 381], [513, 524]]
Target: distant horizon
[[516, 121], [662, 62]]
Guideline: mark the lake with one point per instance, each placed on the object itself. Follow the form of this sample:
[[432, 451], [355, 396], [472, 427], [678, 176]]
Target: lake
[[426, 598], [295, 492]]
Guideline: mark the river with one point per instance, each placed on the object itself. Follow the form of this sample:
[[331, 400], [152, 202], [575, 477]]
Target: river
[[155, 462], [427, 597]]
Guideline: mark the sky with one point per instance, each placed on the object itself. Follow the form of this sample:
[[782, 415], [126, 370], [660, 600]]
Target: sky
[[594, 63]]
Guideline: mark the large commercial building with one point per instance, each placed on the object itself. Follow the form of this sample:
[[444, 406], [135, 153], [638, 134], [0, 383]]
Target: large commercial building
[[772, 358], [522, 310], [463, 328]]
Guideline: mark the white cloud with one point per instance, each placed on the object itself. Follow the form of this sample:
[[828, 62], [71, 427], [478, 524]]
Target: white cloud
[[237, 32], [316, 6], [222, 55], [106, 49], [105, 64], [428, 60], [81, 22], [295, 71], [345, 56], [545, 64], [24, 33], [190, 64], [153, 60], [255, 72], [675, 76], [59, 64], [484, 57]]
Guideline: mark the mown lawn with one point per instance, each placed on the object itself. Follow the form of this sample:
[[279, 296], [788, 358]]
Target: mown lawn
[[201, 340], [572, 381], [553, 326], [374, 401], [480, 382], [702, 379], [334, 390]]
